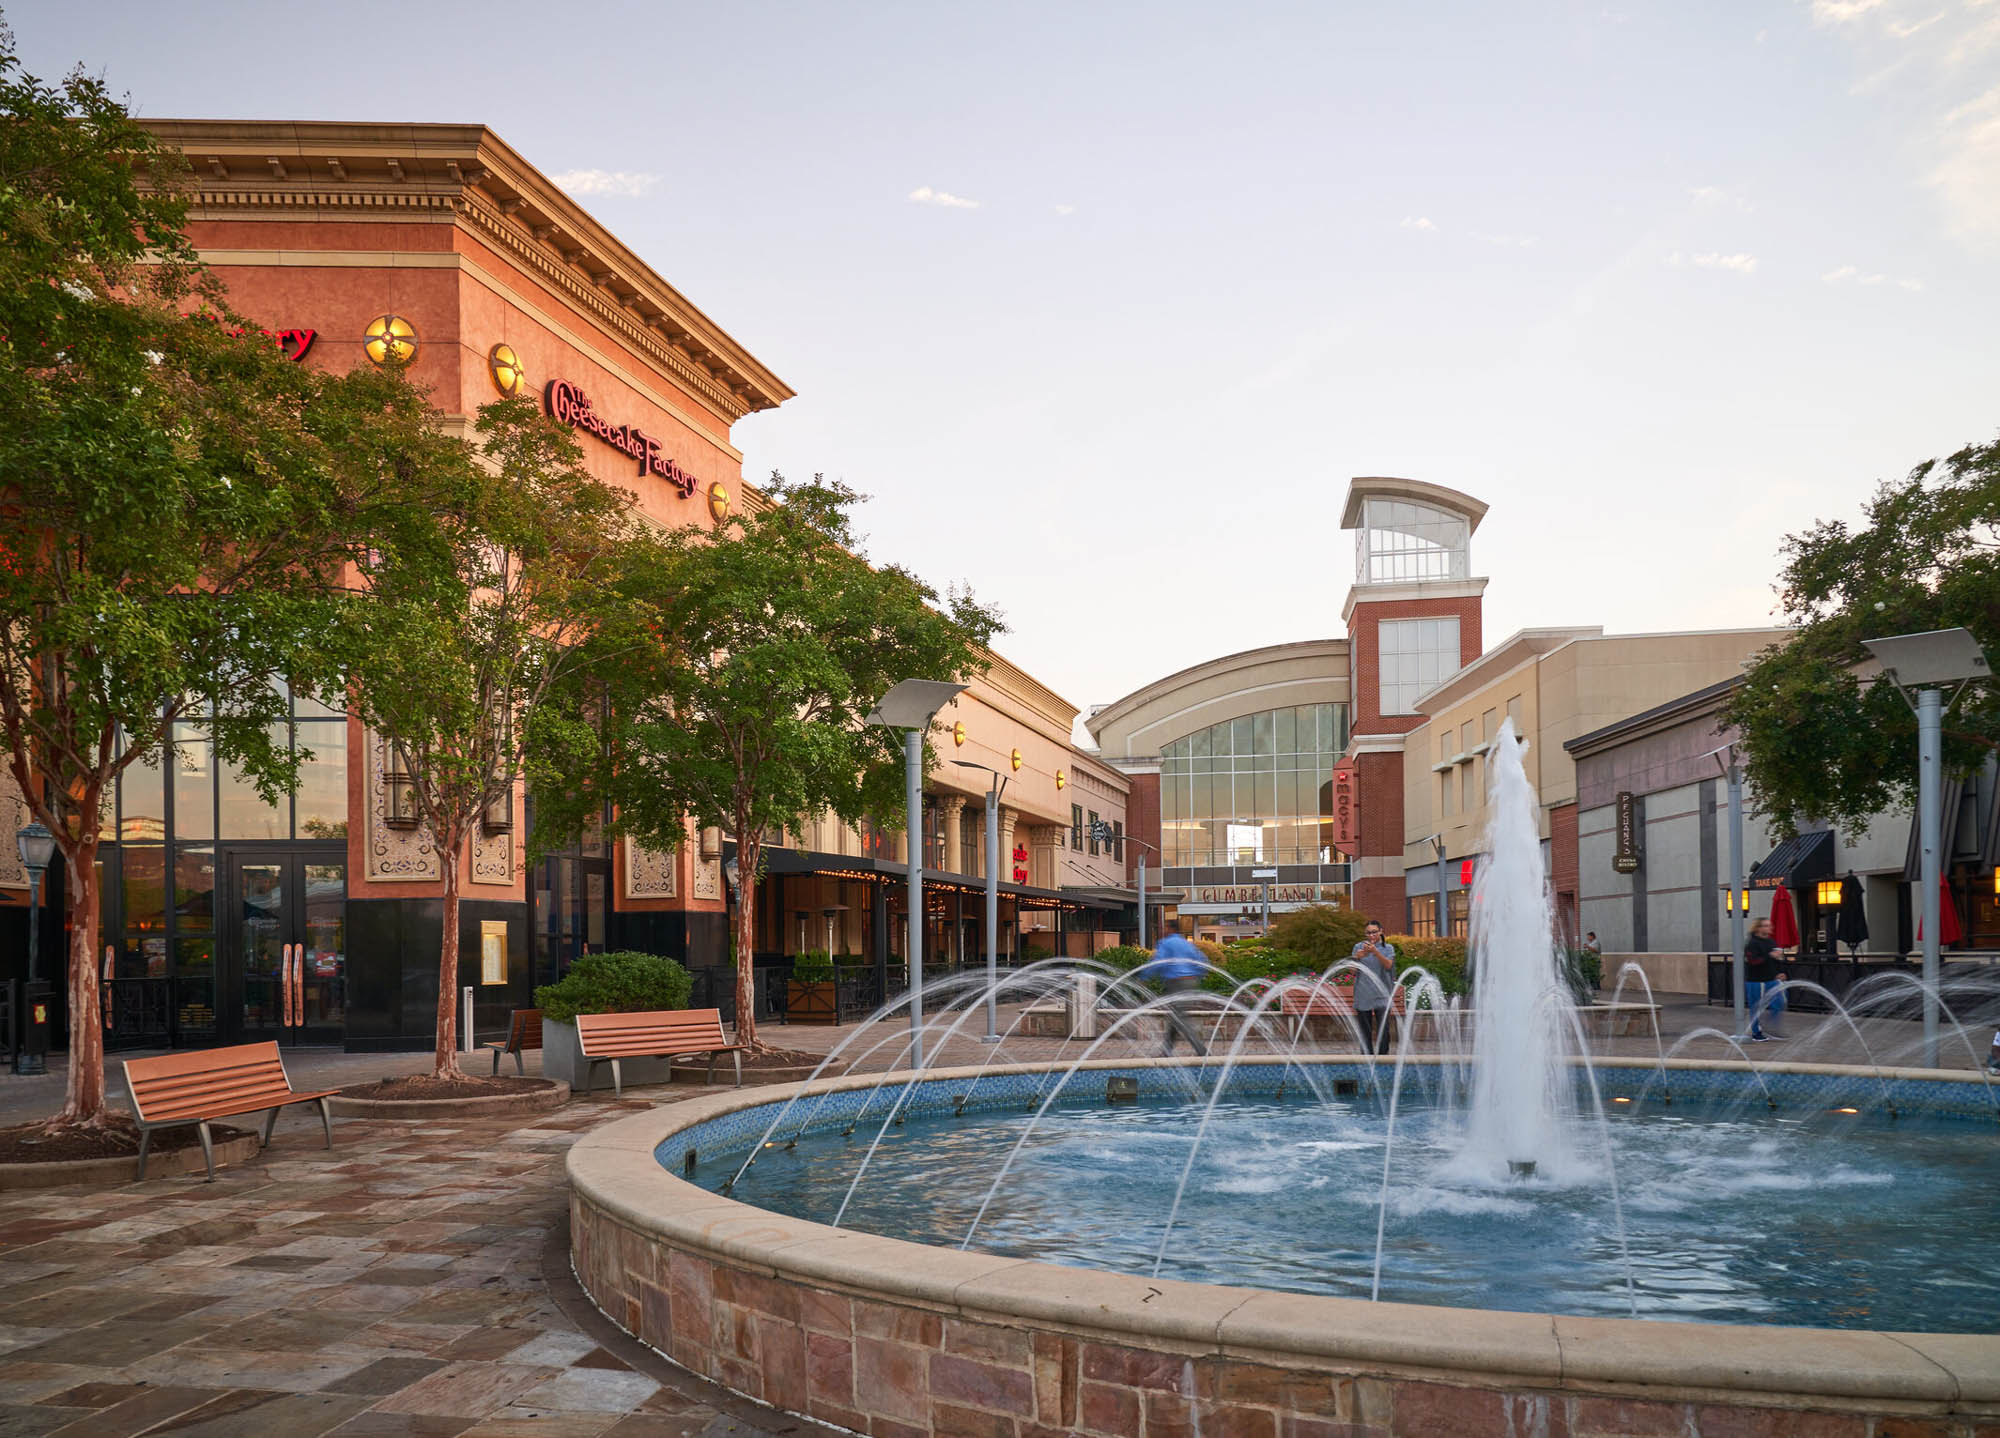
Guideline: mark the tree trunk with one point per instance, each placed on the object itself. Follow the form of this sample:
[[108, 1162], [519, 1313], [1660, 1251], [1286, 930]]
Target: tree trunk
[[83, 1099], [746, 941], [446, 1066]]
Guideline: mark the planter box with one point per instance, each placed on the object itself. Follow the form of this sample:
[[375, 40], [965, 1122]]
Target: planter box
[[814, 1001], [561, 1059]]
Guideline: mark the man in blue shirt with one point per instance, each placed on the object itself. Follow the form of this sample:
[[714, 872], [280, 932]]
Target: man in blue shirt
[[1178, 967]]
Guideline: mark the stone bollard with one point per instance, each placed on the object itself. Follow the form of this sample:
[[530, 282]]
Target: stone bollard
[[1083, 1007]]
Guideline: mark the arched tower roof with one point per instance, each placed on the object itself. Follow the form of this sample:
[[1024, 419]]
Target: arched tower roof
[[1415, 491]]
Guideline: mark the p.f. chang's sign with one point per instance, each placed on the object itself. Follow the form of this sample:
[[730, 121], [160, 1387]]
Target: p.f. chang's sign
[[566, 404]]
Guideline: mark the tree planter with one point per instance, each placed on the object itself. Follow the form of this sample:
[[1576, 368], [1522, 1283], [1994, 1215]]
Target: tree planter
[[814, 1001], [562, 1059]]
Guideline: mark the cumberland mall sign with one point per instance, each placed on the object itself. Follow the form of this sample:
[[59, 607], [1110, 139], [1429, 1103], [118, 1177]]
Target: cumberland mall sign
[[566, 404]]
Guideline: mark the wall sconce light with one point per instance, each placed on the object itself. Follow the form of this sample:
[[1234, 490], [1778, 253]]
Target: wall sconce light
[[1733, 900], [1062, 781], [958, 733], [1829, 893], [399, 781], [1015, 760], [718, 502], [498, 816], [389, 338], [509, 375]]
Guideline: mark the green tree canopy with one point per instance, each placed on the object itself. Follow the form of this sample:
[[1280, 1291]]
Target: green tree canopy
[[1825, 736], [180, 504], [746, 661]]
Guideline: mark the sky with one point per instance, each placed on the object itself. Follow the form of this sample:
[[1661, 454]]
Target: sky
[[1103, 304]]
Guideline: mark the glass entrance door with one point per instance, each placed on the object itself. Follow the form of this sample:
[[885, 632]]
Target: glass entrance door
[[283, 948]]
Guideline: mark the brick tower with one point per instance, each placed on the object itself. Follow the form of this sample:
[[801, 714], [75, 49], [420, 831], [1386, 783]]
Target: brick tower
[[1412, 621]]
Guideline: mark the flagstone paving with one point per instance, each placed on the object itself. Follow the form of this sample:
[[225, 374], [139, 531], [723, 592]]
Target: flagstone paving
[[414, 1281]]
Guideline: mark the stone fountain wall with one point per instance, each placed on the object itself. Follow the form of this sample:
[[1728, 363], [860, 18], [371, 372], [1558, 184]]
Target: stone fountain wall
[[891, 1338]]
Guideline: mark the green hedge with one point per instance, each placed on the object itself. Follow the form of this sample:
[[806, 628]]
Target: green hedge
[[1444, 958], [617, 983], [813, 966]]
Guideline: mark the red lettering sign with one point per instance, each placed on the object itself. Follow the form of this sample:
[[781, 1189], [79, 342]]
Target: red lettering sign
[[1465, 872], [1346, 810], [566, 404], [294, 343]]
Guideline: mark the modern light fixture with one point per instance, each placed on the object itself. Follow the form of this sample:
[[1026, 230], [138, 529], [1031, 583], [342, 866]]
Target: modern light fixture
[[389, 338], [498, 815], [994, 790], [509, 375], [38, 851], [958, 738], [1735, 901], [718, 502], [399, 783], [1062, 781], [1014, 760], [1829, 893]]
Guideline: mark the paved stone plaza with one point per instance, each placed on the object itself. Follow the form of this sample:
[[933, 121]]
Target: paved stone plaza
[[415, 1281]]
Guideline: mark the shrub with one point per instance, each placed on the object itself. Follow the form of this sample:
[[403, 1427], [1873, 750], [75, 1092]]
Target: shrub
[[617, 983], [1035, 953], [1584, 972], [1123, 956], [813, 966], [1443, 958], [1214, 953], [1321, 934]]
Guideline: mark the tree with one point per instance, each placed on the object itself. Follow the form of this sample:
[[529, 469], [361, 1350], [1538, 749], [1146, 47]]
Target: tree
[[749, 658], [1825, 737], [179, 503], [473, 622]]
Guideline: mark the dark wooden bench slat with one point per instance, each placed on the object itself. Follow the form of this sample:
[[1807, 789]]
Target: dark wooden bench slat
[[205, 1084]]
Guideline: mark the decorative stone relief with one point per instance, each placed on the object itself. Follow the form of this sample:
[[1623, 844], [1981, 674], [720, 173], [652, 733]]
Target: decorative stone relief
[[395, 856], [492, 857], [708, 878], [651, 873], [13, 817]]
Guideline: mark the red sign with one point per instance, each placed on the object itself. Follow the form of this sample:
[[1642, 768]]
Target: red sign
[[1346, 810], [294, 343], [1465, 872], [566, 404], [1020, 861]]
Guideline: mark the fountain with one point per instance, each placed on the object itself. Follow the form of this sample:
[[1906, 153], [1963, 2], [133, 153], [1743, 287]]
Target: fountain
[[1110, 1242]]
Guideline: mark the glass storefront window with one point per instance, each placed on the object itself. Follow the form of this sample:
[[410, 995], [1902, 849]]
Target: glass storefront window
[[142, 816], [244, 814], [194, 783], [144, 870], [194, 891], [321, 803], [1270, 773]]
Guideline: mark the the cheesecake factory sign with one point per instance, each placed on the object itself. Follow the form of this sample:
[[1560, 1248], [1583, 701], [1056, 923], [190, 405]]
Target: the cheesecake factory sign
[[566, 404]]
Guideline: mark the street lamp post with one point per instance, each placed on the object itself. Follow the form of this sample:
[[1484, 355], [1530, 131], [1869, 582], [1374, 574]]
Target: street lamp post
[[38, 848], [1926, 663], [993, 792], [910, 706], [1144, 848]]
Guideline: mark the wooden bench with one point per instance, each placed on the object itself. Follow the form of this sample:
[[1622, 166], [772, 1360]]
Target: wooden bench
[[1328, 1001], [524, 1031], [209, 1084], [665, 1033]]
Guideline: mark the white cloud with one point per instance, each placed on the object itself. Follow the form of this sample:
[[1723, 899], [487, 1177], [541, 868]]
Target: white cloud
[[925, 195], [1968, 174], [1065, 209], [1854, 273], [1508, 242], [1741, 264], [1840, 12], [1707, 194], [1418, 222], [627, 183]]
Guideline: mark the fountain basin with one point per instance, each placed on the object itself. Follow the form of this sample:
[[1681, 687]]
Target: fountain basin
[[871, 1332]]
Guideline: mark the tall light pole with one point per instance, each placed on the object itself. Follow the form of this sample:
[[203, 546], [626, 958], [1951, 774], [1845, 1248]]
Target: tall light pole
[[910, 706], [1143, 848], [38, 849], [1926, 663], [993, 792], [1737, 901]]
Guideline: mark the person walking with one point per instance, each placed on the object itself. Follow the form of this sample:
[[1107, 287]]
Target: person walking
[[1375, 957], [1761, 978], [1178, 967]]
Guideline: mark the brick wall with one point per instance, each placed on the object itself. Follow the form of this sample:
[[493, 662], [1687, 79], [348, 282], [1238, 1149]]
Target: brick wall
[[1365, 653], [1142, 821]]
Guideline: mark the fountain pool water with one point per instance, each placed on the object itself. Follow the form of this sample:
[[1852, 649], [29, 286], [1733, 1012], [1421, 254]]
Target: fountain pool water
[[1813, 1218]]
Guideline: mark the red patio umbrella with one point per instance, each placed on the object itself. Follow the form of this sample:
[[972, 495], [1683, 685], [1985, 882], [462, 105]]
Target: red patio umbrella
[[1784, 923], [1948, 930]]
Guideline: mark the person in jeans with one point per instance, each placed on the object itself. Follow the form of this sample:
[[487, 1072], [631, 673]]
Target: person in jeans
[[1375, 957], [1761, 978], [1178, 967]]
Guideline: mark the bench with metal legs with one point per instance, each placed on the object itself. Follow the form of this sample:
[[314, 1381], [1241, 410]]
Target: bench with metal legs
[[208, 1084], [662, 1034]]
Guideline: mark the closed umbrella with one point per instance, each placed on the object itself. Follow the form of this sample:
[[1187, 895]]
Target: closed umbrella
[[1853, 930], [1948, 930], [1784, 923]]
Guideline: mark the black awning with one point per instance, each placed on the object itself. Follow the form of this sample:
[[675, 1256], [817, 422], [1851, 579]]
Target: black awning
[[1802, 859]]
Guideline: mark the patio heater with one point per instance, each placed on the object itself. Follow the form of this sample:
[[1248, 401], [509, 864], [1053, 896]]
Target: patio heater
[[38, 851], [994, 790], [910, 706], [1926, 663]]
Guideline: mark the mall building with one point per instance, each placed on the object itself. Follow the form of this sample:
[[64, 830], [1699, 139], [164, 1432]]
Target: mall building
[[1351, 770], [440, 247]]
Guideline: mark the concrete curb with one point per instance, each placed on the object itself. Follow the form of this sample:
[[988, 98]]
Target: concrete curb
[[115, 1172], [553, 1095]]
